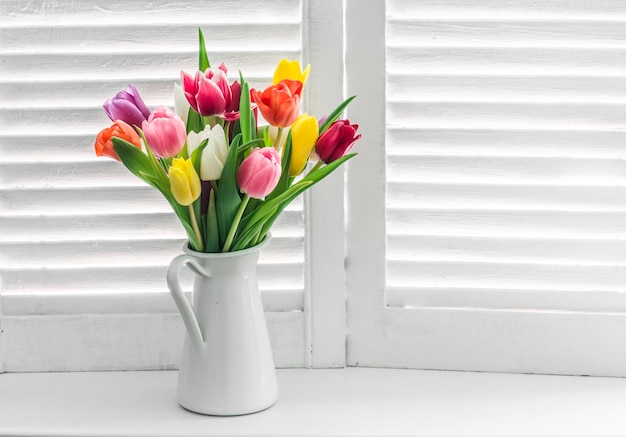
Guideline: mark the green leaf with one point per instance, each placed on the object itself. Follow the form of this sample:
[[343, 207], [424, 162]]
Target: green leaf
[[264, 217], [333, 116], [195, 123], [203, 63], [182, 212], [322, 172], [245, 113], [253, 132], [155, 182], [196, 155], [244, 148], [157, 169], [212, 236], [183, 215], [266, 136], [248, 235], [148, 169], [228, 200], [271, 206], [132, 157]]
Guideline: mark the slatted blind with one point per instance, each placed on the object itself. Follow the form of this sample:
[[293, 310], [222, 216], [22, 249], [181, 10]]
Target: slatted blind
[[73, 222], [505, 155]]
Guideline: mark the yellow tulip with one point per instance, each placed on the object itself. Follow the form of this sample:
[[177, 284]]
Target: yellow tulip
[[291, 70], [184, 181], [304, 133]]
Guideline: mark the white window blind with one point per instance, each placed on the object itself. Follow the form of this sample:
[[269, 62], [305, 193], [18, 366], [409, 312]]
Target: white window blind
[[503, 162], [84, 244]]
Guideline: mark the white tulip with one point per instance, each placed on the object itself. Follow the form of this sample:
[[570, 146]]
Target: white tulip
[[214, 154], [195, 139], [181, 105]]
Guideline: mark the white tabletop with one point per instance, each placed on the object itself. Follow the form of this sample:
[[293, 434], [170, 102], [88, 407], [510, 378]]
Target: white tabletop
[[342, 402]]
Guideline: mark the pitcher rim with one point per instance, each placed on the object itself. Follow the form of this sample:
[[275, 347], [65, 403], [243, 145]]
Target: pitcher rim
[[233, 254]]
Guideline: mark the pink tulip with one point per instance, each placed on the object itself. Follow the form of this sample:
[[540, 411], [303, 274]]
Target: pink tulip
[[208, 93], [259, 173], [165, 132], [336, 141]]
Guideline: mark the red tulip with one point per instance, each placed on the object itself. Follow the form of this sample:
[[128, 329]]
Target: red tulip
[[104, 145], [279, 104], [259, 173], [336, 141]]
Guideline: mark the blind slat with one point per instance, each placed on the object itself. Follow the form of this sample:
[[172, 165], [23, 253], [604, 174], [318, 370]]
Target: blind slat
[[576, 32], [115, 226], [491, 196], [149, 37], [130, 279], [518, 141], [507, 60], [529, 170], [124, 12], [549, 250], [528, 300], [444, 273], [118, 66], [69, 254], [502, 223], [503, 9]]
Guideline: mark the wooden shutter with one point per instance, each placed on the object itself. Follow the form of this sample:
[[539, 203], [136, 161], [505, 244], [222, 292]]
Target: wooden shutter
[[501, 240]]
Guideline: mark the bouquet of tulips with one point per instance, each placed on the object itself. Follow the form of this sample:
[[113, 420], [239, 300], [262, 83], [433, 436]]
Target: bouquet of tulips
[[226, 177]]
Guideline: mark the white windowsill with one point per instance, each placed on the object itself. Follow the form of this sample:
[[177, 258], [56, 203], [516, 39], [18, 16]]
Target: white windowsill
[[348, 402]]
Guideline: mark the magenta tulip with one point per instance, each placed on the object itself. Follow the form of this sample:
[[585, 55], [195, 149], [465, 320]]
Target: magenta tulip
[[232, 110], [128, 106], [336, 141], [259, 173], [208, 93], [165, 132]]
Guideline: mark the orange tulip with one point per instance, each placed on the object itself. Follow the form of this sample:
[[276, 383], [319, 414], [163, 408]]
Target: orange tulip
[[280, 103], [104, 145]]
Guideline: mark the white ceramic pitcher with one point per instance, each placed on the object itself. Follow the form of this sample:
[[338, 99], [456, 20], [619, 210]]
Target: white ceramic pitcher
[[226, 367]]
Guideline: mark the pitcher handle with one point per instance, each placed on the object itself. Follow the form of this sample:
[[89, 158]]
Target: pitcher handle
[[183, 304]]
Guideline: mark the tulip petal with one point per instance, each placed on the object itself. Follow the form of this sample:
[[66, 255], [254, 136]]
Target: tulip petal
[[210, 99]]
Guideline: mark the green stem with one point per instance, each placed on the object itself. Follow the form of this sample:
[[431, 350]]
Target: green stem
[[209, 120], [257, 237], [214, 186], [196, 229], [226, 129], [236, 220], [279, 136], [317, 166]]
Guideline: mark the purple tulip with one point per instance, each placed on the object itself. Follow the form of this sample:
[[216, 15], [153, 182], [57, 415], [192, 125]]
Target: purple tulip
[[259, 173], [336, 141], [165, 132], [127, 106]]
